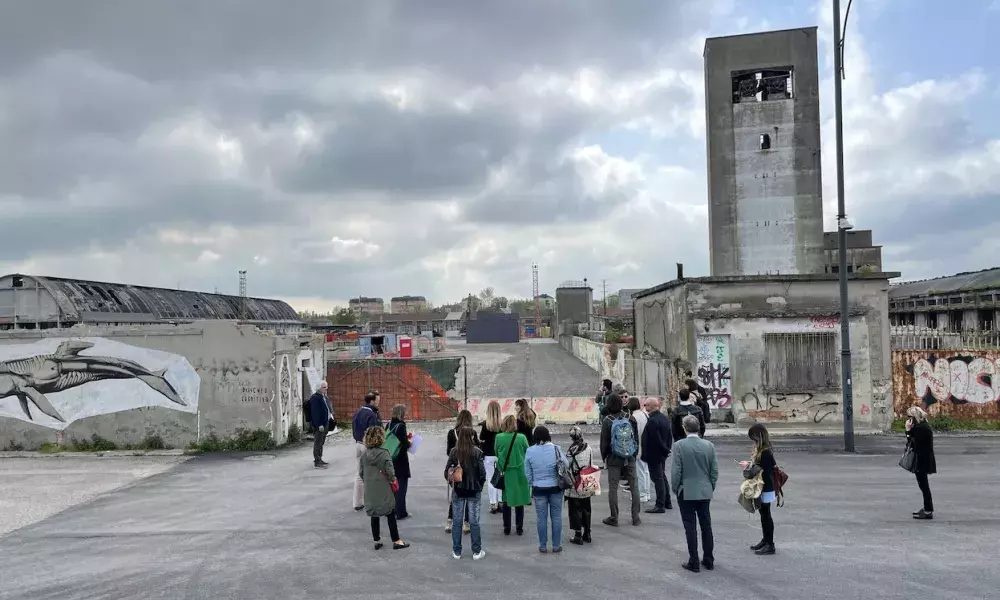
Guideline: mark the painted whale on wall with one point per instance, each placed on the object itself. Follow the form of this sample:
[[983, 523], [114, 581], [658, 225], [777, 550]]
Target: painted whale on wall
[[64, 384]]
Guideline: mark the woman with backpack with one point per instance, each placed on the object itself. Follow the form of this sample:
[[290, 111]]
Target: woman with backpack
[[525, 420], [466, 475], [464, 419], [763, 457], [619, 449], [511, 447], [400, 462], [487, 438], [376, 471], [920, 436], [580, 455]]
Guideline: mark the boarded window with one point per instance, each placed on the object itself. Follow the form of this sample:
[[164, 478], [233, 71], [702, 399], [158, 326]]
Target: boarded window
[[801, 362]]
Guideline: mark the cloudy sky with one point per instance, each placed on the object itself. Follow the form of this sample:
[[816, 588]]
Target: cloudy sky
[[337, 148]]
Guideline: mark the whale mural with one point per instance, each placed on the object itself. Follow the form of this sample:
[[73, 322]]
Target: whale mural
[[56, 381]]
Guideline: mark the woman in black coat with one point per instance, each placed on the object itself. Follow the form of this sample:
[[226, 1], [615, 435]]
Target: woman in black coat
[[920, 436], [401, 464]]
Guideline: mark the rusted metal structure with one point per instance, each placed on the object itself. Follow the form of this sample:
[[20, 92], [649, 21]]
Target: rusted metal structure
[[33, 302]]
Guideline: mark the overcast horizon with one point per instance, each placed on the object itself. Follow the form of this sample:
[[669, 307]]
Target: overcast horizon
[[389, 148]]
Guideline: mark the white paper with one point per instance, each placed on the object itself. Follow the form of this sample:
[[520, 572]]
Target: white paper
[[415, 443]]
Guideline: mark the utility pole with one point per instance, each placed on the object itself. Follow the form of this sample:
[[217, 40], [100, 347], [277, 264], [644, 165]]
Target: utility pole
[[842, 226], [604, 284]]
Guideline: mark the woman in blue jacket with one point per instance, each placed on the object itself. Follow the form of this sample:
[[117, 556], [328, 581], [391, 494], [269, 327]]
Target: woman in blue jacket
[[541, 468]]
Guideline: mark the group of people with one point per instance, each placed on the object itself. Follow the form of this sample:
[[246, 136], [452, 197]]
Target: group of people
[[518, 465]]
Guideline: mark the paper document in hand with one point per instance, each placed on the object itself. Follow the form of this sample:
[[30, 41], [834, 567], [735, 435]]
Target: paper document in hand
[[415, 443]]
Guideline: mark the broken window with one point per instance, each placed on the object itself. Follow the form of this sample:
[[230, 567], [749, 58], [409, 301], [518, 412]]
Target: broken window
[[762, 85], [765, 141], [932, 320]]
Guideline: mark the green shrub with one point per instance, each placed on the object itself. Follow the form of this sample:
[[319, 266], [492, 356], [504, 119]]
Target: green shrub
[[14, 447], [151, 442], [245, 440], [294, 433], [50, 448], [95, 444], [946, 423]]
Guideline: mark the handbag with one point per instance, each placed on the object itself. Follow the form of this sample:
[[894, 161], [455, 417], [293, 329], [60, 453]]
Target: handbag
[[391, 442], [588, 479], [497, 481], [565, 475], [909, 459]]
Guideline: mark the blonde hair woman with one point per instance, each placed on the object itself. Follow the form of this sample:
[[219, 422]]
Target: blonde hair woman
[[376, 470], [525, 420], [487, 439], [511, 447], [920, 437]]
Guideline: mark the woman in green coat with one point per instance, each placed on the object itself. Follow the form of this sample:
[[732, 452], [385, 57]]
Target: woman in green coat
[[376, 470], [516, 493]]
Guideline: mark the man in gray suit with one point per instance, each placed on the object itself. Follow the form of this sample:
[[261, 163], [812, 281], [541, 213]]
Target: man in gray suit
[[693, 476]]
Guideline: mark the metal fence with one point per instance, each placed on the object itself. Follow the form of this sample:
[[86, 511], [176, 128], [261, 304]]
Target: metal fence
[[923, 338], [430, 388]]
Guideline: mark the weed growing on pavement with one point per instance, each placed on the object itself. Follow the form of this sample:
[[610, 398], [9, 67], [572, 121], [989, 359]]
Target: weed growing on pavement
[[96, 443], [945, 423], [294, 433], [245, 440], [13, 447]]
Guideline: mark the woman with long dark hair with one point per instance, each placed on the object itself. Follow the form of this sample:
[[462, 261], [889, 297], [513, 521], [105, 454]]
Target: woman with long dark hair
[[397, 427], [464, 419], [763, 456], [466, 490], [526, 418]]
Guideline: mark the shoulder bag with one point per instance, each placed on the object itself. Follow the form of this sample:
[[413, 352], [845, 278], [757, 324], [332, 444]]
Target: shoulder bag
[[909, 459], [391, 442], [497, 481], [563, 472], [588, 479]]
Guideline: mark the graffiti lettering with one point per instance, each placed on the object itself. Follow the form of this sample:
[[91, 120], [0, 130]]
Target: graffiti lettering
[[807, 405], [713, 369], [960, 379], [824, 322]]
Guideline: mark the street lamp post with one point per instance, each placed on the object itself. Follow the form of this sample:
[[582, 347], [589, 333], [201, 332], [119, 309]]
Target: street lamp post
[[842, 226]]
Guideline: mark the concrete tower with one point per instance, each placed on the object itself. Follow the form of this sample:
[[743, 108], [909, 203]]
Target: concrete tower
[[765, 207]]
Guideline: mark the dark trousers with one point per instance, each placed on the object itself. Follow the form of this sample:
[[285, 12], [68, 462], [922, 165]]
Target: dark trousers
[[694, 513], [319, 439], [622, 469], [657, 472], [925, 489], [767, 523], [518, 517], [404, 483], [393, 530], [579, 514]]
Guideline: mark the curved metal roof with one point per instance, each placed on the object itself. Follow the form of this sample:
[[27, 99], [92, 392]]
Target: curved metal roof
[[951, 284], [77, 299]]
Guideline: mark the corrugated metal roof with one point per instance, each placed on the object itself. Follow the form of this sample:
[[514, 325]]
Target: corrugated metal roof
[[80, 299], [962, 282]]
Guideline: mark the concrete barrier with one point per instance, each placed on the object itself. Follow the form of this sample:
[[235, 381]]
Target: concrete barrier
[[559, 410]]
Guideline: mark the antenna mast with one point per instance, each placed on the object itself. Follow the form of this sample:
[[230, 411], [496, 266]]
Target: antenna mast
[[538, 300]]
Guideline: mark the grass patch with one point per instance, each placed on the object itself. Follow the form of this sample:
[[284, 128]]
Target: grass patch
[[245, 440], [95, 444], [50, 448], [948, 423], [294, 433]]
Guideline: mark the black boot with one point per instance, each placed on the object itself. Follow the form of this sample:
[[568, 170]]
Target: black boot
[[766, 550], [586, 536], [577, 539], [759, 545], [923, 514]]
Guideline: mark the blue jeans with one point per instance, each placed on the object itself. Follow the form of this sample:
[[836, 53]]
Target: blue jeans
[[458, 508], [547, 507]]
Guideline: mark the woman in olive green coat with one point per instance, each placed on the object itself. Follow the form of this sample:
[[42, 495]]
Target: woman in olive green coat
[[516, 493], [376, 470]]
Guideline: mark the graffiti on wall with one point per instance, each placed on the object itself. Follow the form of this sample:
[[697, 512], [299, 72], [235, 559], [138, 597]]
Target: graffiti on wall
[[789, 407], [959, 383], [56, 381], [713, 369]]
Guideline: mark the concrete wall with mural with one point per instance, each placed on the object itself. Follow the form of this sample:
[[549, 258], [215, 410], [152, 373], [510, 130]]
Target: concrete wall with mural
[[961, 384], [180, 382]]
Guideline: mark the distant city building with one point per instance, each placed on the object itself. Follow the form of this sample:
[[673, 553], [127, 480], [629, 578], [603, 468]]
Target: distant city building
[[408, 304], [364, 304], [447, 324], [862, 256], [626, 297], [957, 303]]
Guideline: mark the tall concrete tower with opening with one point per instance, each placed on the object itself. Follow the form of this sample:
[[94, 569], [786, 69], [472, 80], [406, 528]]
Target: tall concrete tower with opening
[[765, 207]]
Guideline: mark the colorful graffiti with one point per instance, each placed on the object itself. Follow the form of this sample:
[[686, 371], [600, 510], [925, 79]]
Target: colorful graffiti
[[713, 369], [56, 381], [961, 383]]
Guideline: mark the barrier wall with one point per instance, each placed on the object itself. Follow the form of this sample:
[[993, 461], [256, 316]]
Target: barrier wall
[[961, 384]]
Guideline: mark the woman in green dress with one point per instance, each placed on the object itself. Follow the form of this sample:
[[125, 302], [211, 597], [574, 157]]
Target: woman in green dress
[[510, 449]]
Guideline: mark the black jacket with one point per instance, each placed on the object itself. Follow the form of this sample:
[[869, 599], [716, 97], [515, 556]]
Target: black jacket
[[526, 431], [921, 436], [453, 439], [682, 411], [767, 464], [606, 434], [473, 474], [400, 464], [657, 438], [487, 439]]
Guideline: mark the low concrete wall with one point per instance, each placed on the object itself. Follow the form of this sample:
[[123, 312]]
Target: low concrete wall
[[962, 384], [641, 376], [124, 383]]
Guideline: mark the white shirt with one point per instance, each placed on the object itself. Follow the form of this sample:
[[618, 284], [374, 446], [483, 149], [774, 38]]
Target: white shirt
[[695, 434]]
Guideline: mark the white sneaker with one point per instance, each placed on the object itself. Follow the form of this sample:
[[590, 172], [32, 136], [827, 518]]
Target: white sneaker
[[479, 555], [457, 556]]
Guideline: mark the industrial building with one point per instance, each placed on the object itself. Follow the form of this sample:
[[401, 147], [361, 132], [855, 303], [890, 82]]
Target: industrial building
[[862, 255], [33, 302], [574, 304], [763, 145], [958, 303]]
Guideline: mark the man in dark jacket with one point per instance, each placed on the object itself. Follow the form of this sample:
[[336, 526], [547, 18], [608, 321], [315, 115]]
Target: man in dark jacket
[[657, 440], [320, 415], [602, 397], [619, 467], [367, 416], [685, 408]]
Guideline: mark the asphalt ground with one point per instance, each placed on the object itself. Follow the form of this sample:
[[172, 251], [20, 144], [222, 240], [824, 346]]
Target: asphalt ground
[[525, 370], [239, 526]]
